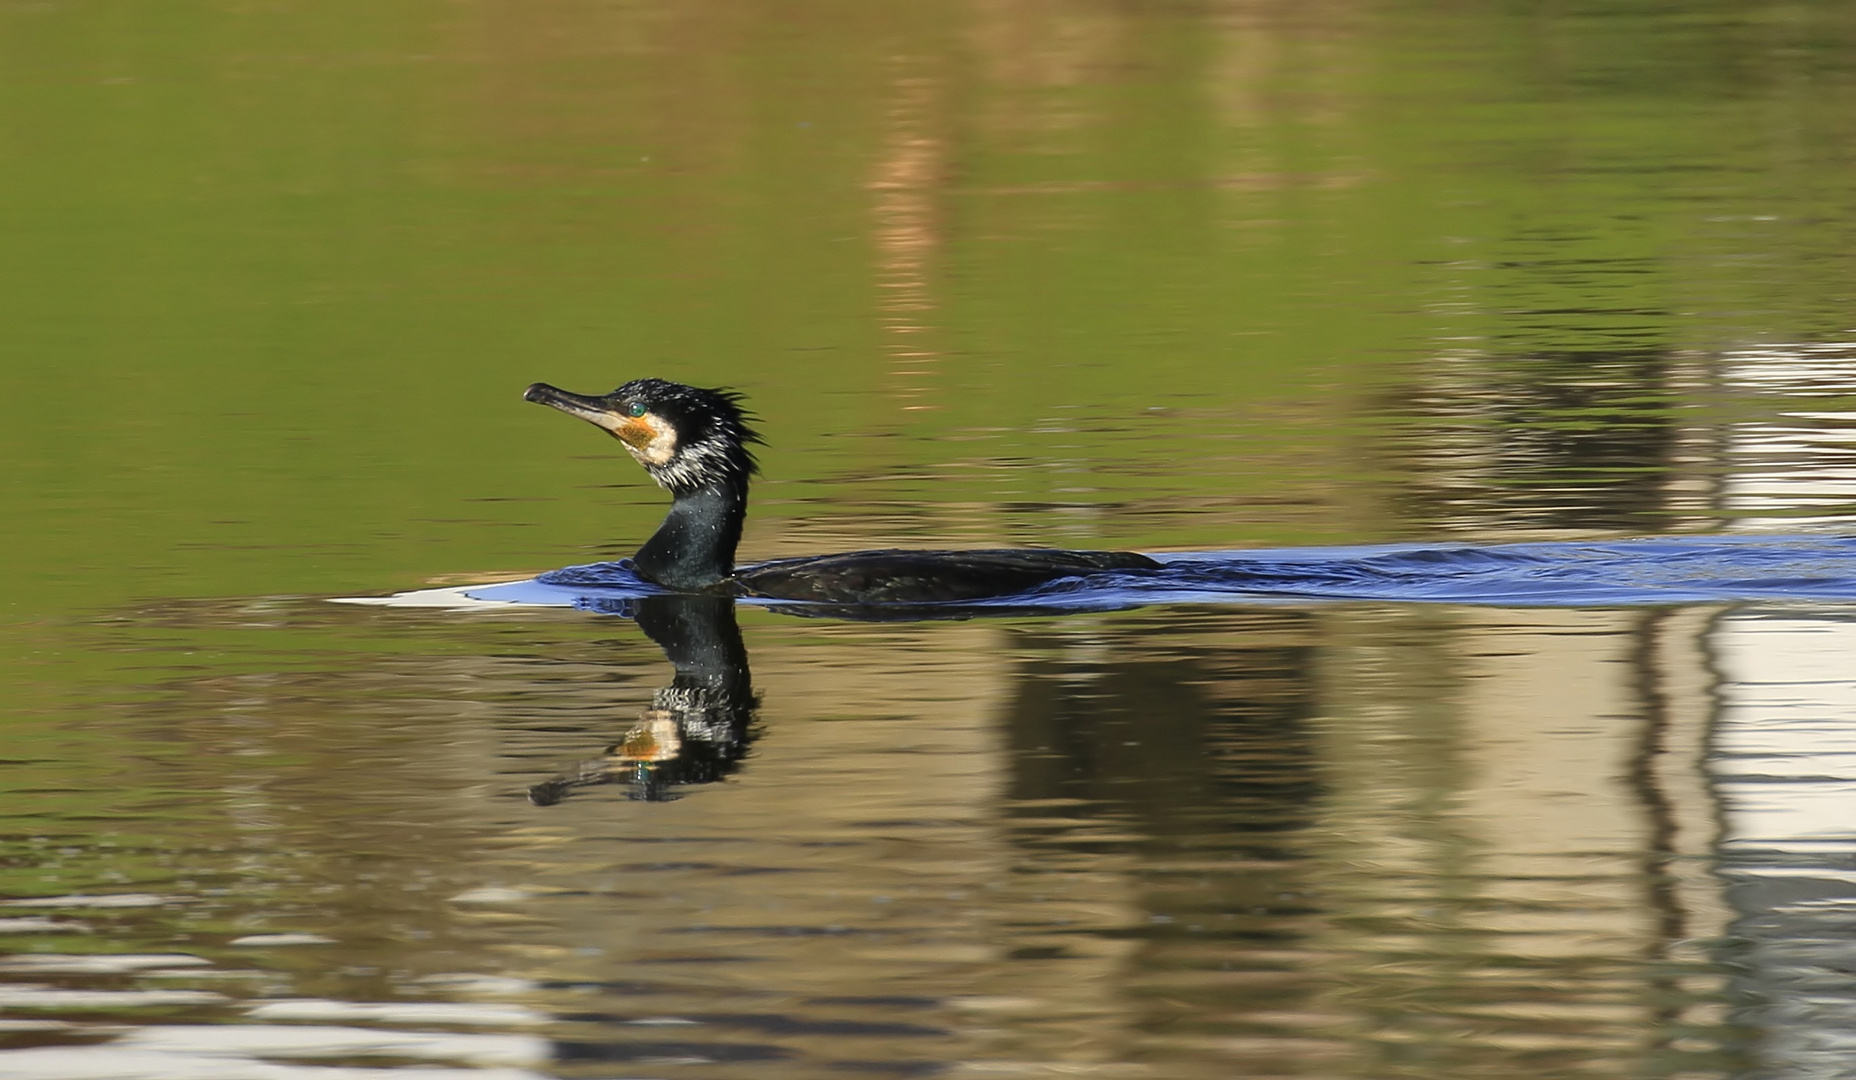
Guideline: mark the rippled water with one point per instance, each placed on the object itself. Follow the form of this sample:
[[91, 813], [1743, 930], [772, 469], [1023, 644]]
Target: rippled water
[[1379, 838], [1484, 375], [1664, 570]]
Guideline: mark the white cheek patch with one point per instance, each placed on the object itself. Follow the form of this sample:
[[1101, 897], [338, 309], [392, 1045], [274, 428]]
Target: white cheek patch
[[655, 445]]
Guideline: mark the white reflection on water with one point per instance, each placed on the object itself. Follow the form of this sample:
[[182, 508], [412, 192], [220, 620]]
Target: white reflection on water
[[398, 1012], [1784, 767], [224, 1052], [98, 963], [116, 1063], [1782, 754], [1797, 465], [1785, 751], [34, 996]]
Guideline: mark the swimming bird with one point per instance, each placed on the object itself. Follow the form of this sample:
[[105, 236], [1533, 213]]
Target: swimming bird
[[694, 443]]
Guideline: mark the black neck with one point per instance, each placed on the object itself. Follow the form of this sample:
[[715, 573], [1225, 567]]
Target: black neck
[[695, 546]]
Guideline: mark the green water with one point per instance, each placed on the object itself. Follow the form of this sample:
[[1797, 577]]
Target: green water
[[1160, 277]]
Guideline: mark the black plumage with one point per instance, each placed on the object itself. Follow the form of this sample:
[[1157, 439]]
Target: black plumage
[[695, 442]]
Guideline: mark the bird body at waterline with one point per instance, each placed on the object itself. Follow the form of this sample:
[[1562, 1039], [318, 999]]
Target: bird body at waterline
[[694, 443]]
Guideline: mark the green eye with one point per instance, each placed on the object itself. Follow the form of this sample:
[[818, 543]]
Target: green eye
[[636, 408]]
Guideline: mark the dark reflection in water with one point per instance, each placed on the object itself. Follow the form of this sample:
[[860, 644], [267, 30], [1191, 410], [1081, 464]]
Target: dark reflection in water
[[1193, 760], [697, 728], [1564, 440], [1175, 743]]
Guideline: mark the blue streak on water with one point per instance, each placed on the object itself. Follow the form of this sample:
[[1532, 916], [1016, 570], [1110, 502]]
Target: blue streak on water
[[1662, 570]]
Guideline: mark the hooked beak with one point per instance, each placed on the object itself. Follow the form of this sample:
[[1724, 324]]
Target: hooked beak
[[591, 409], [652, 441]]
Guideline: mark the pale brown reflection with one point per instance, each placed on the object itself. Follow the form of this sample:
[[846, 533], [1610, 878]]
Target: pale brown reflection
[[910, 173], [1519, 794], [1032, 51], [1262, 842], [1280, 58]]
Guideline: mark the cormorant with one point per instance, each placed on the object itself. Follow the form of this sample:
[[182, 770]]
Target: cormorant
[[694, 443]]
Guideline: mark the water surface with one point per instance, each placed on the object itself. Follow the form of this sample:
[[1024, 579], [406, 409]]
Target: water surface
[[1524, 332]]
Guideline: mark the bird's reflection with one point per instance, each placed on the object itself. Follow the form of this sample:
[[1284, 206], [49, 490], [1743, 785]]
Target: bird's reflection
[[696, 729]]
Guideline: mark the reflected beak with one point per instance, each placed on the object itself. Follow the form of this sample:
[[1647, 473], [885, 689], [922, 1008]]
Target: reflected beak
[[591, 409]]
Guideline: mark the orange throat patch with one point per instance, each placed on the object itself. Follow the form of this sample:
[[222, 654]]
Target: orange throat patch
[[651, 440]]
